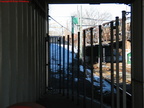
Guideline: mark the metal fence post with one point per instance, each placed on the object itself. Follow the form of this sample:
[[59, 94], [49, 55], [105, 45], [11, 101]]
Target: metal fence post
[[68, 66], [92, 88], [100, 65], [60, 70], [112, 66], [63, 66], [84, 73], [117, 62], [72, 66], [49, 62], [54, 76], [123, 58], [78, 70]]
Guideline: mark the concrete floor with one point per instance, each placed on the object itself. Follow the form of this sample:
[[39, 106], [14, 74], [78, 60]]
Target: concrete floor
[[57, 100]]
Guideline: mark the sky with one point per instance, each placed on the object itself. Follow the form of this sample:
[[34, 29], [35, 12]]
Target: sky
[[58, 10], [62, 12]]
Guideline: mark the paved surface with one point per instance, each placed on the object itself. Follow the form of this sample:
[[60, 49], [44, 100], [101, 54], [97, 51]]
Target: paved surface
[[57, 101]]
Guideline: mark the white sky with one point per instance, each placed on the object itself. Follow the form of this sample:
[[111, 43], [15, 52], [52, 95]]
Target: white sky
[[63, 12], [67, 10]]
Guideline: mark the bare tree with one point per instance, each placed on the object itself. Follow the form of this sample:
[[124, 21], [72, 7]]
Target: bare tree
[[93, 16]]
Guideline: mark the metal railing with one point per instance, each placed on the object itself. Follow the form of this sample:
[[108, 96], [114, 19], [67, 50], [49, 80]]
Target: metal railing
[[100, 75]]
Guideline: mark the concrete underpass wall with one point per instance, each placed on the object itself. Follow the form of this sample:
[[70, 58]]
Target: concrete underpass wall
[[22, 53]]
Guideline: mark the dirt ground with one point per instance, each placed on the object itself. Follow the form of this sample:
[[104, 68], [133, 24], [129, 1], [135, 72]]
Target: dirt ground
[[106, 67]]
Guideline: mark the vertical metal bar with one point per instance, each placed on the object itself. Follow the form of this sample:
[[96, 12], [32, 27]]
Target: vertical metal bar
[[68, 66], [72, 66], [117, 63], [100, 65], [92, 88], [84, 65], [63, 66], [78, 74], [112, 66], [54, 67], [58, 63], [52, 62], [55, 60], [61, 63], [49, 62], [123, 58], [46, 62], [58, 39], [60, 79], [55, 63]]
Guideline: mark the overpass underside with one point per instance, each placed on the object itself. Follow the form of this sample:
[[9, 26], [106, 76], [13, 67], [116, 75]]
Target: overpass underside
[[23, 28]]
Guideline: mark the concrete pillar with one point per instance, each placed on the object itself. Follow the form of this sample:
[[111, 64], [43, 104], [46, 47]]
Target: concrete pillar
[[138, 54]]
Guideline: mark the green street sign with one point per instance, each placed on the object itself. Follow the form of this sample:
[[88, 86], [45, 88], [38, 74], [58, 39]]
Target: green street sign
[[74, 20]]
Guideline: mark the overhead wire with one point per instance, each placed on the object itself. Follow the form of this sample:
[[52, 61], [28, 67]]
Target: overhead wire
[[58, 23], [49, 15]]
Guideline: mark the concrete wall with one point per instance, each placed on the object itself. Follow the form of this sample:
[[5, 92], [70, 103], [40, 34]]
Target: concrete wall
[[22, 53]]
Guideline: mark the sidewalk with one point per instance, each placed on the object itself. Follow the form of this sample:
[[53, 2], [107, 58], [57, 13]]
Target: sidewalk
[[57, 101]]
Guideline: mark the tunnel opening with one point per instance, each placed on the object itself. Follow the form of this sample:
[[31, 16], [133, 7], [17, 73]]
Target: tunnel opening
[[66, 38]]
